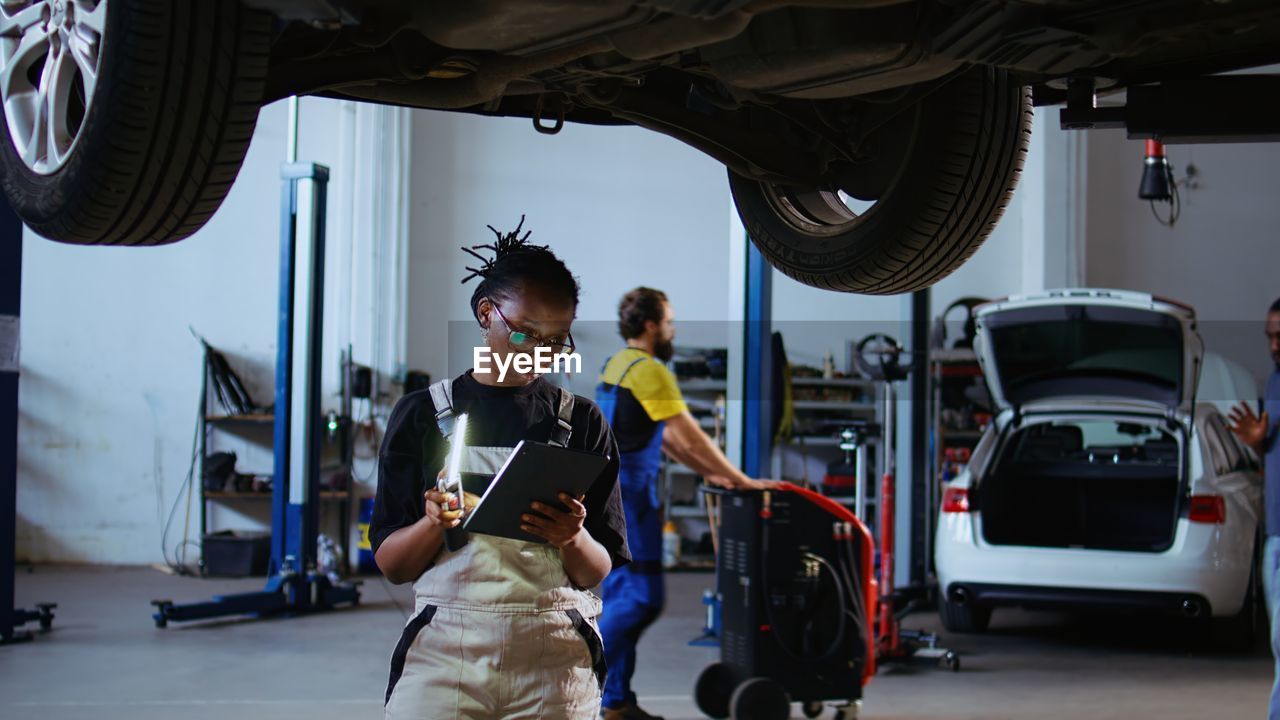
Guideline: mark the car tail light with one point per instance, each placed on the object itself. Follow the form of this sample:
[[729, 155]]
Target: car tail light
[[1208, 509], [955, 500]]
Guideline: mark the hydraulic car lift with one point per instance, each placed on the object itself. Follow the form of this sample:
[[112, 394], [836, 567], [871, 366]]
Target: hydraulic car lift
[[11, 618], [1217, 108], [293, 586]]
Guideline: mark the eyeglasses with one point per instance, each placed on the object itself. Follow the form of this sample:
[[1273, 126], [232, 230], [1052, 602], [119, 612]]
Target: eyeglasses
[[525, 340]]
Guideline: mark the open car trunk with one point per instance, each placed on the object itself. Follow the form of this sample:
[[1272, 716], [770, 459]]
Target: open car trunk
[[1083, 485], [1066, 346]]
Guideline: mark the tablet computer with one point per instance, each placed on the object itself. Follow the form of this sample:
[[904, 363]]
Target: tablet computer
[[534, 472]]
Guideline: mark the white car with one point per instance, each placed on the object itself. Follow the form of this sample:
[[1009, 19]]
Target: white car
[[1102, 483]]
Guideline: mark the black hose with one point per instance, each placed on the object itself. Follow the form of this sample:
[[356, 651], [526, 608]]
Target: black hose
[[840, 607], [850, 570], [855, 579], [768, 604], [852, 562]]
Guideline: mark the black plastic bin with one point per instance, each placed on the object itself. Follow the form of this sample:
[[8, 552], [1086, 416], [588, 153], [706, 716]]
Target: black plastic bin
[[230, 553]]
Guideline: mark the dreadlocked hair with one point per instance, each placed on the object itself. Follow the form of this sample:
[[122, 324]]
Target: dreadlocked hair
[[516, 265]]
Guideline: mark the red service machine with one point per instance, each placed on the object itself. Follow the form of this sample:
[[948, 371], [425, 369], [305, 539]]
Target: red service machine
[[797, 601]]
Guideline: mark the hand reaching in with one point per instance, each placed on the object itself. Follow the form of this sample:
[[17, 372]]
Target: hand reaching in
[[1251, 429]]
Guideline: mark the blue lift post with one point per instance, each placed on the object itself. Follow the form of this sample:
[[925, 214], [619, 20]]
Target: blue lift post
[[293, 586], [757, 386], [757, 402], [11, 618]]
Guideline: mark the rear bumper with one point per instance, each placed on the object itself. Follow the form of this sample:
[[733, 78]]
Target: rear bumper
[[1067, 598], [1211, 562]]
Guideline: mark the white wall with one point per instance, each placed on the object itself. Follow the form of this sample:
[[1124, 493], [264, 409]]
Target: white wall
[[1220, 257], [621, 206], [110, 373]]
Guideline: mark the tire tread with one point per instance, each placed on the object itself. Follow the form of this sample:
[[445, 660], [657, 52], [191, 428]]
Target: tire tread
[[168, 130], [958, 183]]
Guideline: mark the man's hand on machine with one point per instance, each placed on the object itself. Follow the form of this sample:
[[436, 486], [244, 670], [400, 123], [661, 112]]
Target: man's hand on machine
[[558, 527]]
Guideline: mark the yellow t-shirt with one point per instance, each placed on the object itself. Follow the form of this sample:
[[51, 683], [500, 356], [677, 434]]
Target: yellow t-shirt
[[648, 394]]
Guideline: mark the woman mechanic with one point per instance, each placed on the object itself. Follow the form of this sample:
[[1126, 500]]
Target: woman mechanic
[[501, 628]]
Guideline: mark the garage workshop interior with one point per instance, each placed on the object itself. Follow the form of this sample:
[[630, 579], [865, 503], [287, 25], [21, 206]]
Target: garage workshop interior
[[575, 359]]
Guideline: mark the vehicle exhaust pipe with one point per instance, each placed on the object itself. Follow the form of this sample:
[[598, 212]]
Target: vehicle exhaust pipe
[[1192, 608]]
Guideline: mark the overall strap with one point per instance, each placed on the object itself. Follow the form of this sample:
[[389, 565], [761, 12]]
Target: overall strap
[[634, 363], [564, 428], [442, 398]]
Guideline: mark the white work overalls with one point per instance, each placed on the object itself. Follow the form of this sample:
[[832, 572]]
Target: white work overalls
[[498, 629]]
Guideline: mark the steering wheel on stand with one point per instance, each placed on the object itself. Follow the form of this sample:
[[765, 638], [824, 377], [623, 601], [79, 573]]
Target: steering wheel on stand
[[941, 327], [879, 357]]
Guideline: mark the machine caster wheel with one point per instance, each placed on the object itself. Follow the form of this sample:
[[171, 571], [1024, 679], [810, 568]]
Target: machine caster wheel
[[849, 712], [812, 709], [952, 661], [760, 699], [714, 689]]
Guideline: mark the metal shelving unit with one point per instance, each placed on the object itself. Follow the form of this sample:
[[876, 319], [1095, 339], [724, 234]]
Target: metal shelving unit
[[854, 399], [679, 494], [808, 446], [256, 429]]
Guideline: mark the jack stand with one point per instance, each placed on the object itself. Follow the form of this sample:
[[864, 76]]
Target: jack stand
[[880, 358], [925, 648], [710, 636], [294, 587], [894, 644]]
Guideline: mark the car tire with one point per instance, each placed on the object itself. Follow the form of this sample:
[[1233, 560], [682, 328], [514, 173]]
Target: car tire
[[958, 173], [964, 617], [1246, 631], [156, 139]]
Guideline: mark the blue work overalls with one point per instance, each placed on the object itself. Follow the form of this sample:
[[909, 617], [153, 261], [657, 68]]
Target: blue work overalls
[[634, 594]]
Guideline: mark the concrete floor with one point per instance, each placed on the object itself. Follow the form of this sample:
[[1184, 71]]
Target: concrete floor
[[104, 659]]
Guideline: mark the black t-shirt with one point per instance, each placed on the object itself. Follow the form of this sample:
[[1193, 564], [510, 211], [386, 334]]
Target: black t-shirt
[[498, 417]]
